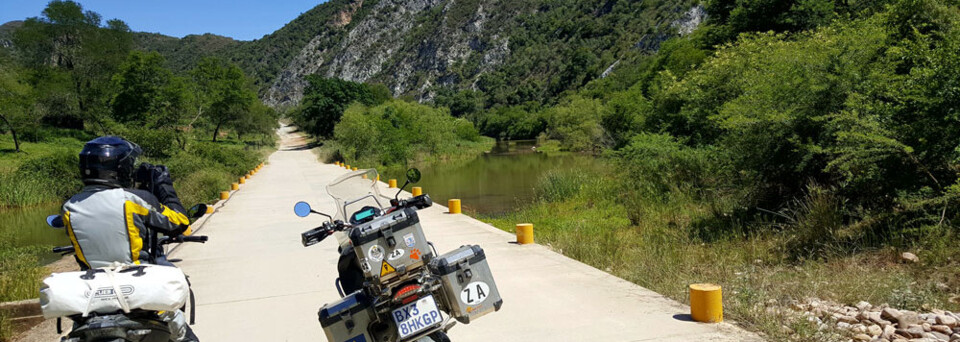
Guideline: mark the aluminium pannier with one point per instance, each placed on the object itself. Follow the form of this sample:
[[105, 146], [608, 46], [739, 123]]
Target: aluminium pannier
[[347, 320], [391, 245], [467, 286]]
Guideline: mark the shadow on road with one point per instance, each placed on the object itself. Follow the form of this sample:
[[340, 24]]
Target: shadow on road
[[302, 147]]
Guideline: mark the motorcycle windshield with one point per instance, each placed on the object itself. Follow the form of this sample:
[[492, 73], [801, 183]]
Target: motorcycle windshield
[[355, 190]]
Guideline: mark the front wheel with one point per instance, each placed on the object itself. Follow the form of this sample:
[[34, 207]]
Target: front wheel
[[439, 336]]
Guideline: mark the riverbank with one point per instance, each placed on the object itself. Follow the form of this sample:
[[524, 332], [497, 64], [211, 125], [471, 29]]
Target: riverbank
[[582, 215]]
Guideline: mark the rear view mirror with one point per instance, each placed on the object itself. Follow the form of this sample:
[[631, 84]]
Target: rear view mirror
[[413, 176], [55, 221], [302, 209], [197, 211]]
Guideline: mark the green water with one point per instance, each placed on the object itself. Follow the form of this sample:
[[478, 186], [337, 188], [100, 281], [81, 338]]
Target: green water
[[28, 227], [496, 182]]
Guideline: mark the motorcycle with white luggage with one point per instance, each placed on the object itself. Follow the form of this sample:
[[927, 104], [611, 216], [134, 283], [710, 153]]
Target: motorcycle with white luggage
[[394, 286], [120, 303]]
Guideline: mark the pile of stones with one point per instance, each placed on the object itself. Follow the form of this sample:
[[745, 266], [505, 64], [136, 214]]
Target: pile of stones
[[881, 323]]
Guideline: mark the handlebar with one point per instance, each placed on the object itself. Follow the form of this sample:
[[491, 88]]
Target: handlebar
[[419, 202], [315, 235], [183, 238]]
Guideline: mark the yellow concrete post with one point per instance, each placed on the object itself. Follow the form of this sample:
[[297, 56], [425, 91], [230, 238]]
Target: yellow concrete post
[[235, 186], [348, 167], [392, 183], [354, 169], [706, 303], [454, 206], [210, 208], [337, 163], [524, 233], [243, 179], [416, 191], [224, 195]]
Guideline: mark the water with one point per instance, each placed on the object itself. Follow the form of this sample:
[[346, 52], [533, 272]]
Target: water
[[28, 227], [496, 182]]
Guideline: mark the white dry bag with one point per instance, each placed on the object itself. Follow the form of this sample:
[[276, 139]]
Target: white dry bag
[[145, 287]]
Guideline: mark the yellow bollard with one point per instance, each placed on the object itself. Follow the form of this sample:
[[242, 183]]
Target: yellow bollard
[[524, 233], [354, 169], [416, 191], [210, 208], [235, 186], [337, 163], [454, 206], [224, 195], [706, 303], [392, 183], [243, 179], [348, 167], [378, 177]]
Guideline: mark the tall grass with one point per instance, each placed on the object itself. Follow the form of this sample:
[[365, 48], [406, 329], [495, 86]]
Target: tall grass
[[665, 248]]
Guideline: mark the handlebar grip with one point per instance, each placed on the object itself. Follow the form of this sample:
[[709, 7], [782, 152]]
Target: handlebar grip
[[200, 238], [64, 249]]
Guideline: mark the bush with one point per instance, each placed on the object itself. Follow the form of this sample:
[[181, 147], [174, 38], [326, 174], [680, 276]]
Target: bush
[[576, 124], [156, 143], [395, 132], [558, 185]]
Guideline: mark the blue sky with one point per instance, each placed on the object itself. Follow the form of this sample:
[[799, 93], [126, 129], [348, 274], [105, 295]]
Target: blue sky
[[239, 19]]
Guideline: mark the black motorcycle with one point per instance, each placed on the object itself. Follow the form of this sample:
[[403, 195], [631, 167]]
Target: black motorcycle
[[387, 292], [137, 325]]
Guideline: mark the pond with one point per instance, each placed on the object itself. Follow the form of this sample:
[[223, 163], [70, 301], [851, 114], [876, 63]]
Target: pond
[[28, 227], [499, 181]]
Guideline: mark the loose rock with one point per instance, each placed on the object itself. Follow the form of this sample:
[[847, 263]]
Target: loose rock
[[914, 331], [946, 320], [909, 257], [890, 314]]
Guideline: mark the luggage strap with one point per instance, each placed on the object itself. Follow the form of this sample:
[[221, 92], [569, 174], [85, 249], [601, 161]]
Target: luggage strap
[[193, 303], [110, 271]]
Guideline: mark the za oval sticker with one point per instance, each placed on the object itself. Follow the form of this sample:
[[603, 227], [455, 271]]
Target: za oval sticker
[[475, 293], [396, 254]]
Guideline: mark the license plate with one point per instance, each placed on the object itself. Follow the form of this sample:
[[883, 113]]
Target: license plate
[[417, 316]]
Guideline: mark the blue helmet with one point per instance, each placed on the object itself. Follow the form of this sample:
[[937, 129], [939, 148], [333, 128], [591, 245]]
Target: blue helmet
[[109, 161]]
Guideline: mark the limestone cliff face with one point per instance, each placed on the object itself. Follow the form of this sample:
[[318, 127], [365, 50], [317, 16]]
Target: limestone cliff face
[[415, 46], [382, 47]]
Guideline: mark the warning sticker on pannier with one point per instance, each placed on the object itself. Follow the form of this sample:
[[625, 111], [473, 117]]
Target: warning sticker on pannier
[[386, 269]]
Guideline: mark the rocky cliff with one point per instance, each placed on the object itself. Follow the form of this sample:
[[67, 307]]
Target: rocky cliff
[[419, 47]]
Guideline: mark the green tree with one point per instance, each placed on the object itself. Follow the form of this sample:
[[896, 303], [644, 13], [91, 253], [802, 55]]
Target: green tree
[[147, 94], [14, 100], [69, 41], [325, 99], [224, 90]]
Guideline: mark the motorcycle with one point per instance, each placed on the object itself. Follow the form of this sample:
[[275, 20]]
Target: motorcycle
[[133, 325], [394, 286]]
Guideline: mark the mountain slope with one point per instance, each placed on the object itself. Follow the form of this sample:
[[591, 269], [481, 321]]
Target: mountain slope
[[514, 51]]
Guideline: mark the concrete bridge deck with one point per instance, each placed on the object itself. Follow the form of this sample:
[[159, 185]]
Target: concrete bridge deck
[[254, 281]]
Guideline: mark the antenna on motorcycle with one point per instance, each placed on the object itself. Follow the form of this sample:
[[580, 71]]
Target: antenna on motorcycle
[[303, 209], [413, 176]]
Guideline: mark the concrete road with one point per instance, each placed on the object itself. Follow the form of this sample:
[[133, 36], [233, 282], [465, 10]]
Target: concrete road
[[254, 281]]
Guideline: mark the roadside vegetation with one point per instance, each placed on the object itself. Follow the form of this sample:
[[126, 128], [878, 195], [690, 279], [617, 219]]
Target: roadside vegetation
[[70, 77], [362, 125], [784, 151]]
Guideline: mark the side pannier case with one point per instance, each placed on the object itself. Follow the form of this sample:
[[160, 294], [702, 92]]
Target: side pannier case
[[391, 245], [467, 286], [347, 319]]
